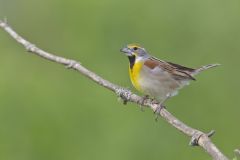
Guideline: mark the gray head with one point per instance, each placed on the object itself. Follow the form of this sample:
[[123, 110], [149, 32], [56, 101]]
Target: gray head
[[133, 50]]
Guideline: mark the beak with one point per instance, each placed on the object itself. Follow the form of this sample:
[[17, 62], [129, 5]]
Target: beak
[[127, 51]]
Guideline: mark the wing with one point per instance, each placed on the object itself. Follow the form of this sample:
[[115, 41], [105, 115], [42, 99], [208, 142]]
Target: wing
[[178, 72]]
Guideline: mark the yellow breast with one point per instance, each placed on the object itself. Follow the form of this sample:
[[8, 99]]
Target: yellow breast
[[134, 73]]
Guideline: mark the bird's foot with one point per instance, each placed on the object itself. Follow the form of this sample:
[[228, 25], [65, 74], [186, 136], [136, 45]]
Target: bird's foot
[[158, 110], [144, 98]]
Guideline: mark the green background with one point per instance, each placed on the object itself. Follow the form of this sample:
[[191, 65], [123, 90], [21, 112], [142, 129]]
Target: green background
[[51, 113]]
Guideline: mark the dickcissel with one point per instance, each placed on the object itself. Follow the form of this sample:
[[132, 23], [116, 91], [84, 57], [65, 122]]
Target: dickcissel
[[157, 78]]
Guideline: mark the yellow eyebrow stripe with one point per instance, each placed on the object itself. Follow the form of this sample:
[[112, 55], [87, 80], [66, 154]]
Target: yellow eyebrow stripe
[[133, 45]]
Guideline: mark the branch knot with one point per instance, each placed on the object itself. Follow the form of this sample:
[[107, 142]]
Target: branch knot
[[197, 135], [124, 94], [72, 64], [30, 47], [195, 138]]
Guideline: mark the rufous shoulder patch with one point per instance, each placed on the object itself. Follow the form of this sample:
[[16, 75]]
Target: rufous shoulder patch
[[151, 63]]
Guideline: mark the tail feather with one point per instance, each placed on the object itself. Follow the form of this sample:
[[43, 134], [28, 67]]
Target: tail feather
[[205, 67]]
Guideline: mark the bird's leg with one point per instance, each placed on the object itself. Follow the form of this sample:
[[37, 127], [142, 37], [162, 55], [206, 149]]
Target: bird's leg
[[160, 107], [144, 98]]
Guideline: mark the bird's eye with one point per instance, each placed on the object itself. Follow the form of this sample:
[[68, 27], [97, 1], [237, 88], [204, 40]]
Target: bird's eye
[[135, 48]]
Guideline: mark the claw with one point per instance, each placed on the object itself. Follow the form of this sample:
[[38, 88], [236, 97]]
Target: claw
[[144, 98], [161, 106], [158, 110]]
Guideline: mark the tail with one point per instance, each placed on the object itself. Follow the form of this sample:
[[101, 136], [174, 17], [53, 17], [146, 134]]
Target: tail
[[203, 68]]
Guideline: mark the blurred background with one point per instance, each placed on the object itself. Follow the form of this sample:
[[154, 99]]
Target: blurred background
[[49, 112]]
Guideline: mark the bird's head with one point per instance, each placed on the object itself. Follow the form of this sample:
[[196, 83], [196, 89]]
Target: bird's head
[[133, 50]]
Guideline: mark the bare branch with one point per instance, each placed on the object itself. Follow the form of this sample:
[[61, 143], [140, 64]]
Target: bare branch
[[197, 137]]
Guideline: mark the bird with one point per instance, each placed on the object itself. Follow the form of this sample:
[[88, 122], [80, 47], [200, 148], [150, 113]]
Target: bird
[[158, 78]]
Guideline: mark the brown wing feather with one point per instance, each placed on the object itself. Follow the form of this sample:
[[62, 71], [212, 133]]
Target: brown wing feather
[[178, 72], [187, 69]]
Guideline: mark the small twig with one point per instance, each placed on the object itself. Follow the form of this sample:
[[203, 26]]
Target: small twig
[[198, 137], [237, 152], [5, 20], [211, 133]]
